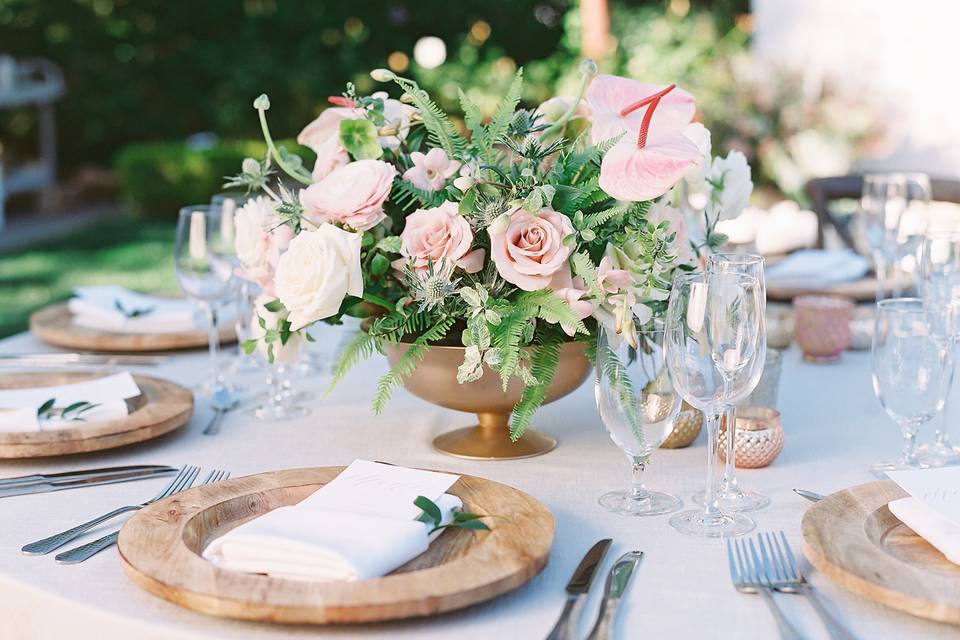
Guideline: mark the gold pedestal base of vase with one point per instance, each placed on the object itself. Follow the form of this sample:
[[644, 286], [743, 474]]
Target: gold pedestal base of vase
[[490, 440]]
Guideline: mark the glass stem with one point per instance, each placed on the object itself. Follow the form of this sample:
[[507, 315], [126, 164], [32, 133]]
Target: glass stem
[[711, 503], [730, 488], [909, 442], [880, 264], [276, 385], [638, 490], [213, 338], [940, 437]]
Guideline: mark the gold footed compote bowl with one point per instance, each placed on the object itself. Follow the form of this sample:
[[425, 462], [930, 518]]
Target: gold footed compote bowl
[[435, 380]]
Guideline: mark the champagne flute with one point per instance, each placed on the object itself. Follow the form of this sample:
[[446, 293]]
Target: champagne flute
[[203, 259], [731, 496], [939, 286], [637, 406], [882, 203], [912, 372], [713, 331]]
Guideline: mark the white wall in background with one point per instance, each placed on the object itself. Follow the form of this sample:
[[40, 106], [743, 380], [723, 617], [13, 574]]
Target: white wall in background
[[907, 52]]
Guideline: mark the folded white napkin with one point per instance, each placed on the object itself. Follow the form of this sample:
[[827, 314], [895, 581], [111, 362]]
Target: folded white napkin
[[18, 407], [361, 525], [108, 308], [933, 508], [817, 269]]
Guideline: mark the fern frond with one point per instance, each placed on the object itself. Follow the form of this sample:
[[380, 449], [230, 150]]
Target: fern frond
[[442, 132], [583, 267], [472, 115], [553, 309], [408, 362], [544, 364], [359, 348], [407, 196], [500, 122]]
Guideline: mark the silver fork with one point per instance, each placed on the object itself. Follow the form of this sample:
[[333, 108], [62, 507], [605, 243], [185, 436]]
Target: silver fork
[[749, 575], [791, 580], [185, 477], [87, 551]]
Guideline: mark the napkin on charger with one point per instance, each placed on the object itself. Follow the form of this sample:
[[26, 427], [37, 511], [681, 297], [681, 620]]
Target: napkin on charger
[[99, 307], [817, 269], [361, 525], [933, 508], [18, 407]]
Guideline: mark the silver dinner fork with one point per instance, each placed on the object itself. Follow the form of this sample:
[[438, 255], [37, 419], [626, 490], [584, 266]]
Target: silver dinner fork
[[789, 579], [184, 478], [750, 575], [87, 551]]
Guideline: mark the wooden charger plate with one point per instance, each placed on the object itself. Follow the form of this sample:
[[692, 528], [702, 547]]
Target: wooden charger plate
[[54, 325], [863, 290], [161, 407], [160, 551], [853, 538]]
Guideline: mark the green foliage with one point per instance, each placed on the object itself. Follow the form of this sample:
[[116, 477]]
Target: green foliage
[[494, 133], [544, 364], [408, 362], [359, 138], [406, 196], [358, 349], [440, 129]]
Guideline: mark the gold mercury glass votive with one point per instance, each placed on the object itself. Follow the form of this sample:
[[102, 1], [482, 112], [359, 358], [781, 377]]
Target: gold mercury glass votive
[[759, 437], [686, 428], [822, 326]]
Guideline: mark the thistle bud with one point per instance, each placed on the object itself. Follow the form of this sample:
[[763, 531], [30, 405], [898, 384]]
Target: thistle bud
[[262, 103], [382, 75], [250, 166], [588, 68]]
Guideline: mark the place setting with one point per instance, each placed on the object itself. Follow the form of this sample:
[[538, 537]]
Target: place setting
[[452, 363]]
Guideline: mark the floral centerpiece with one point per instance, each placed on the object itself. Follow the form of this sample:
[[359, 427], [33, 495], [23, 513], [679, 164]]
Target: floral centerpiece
[[510, 235]]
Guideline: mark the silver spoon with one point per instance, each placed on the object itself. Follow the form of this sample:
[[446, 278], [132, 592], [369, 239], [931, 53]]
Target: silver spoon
[[223, 400]]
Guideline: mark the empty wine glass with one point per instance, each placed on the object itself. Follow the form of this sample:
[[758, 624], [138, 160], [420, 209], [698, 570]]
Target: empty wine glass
[[731, 496], [279, 402], [713, 332], [912, 372], [882, 203], [939, 285], [204, 263], [637, 406]]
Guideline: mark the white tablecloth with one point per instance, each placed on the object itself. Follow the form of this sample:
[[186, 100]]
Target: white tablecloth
[[834, 429]]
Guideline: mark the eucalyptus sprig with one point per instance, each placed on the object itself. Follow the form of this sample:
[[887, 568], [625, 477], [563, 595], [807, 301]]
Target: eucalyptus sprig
[[73, 412], [132, 313], [461, 519]]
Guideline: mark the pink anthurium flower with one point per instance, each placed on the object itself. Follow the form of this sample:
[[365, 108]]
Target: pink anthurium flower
[[648, 166], [615, 107]]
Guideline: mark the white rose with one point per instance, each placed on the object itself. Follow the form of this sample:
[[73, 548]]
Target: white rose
[[252, 224], [733, 173], [282, 354], [319, 269]]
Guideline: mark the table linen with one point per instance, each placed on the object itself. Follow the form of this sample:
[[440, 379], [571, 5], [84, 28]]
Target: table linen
[[834, 430]]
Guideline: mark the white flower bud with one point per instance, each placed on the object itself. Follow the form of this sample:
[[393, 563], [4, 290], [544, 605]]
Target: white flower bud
[[262, 103], [464, 182], [588, 67], [382, 75]]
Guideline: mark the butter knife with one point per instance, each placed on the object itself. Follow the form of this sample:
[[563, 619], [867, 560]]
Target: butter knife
[[617, 581], [812, 496], [72, 480], [577, 590]]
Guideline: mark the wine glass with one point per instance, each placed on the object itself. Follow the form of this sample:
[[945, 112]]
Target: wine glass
[[279, 402], [882, 203], [204, 263], [731, 496], [939, 285], [713, 332], [637, 406], [912, 372]]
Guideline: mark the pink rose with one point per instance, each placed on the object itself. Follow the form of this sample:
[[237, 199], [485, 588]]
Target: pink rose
[[353, 194], [529, 251], [323, 137], [439, 234], [431, 170]]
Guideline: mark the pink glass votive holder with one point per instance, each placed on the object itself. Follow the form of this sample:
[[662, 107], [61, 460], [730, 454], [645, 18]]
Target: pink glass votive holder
[[822, 326]]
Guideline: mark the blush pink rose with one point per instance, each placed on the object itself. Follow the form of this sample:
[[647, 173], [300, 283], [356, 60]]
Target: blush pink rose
[[437, 235], [323, 137], [528, 249], [352, 194]]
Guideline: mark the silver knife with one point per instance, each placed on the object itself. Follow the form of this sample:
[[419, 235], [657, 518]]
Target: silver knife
[[617, 581], [66, 359], [74, 480], [812, 496], [577, 590]]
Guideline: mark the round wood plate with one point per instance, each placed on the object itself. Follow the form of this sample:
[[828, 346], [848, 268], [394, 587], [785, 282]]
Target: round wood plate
[[863, 290], [162, 407], [852, 538], [54, 325], [160, 551]]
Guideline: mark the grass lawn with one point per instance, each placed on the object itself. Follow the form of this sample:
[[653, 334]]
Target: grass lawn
[[123, 251]]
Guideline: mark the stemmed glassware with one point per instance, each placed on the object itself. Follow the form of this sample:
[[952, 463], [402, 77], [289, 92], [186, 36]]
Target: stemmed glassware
[[204, 262], [731, 496], [882, 203], [713, 331], [912, 372], [939, 286], [637, 406]]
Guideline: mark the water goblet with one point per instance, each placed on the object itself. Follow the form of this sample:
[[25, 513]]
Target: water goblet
[[912, 372], [713, 331], [637, 405], [731, 496], [203, 259]]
